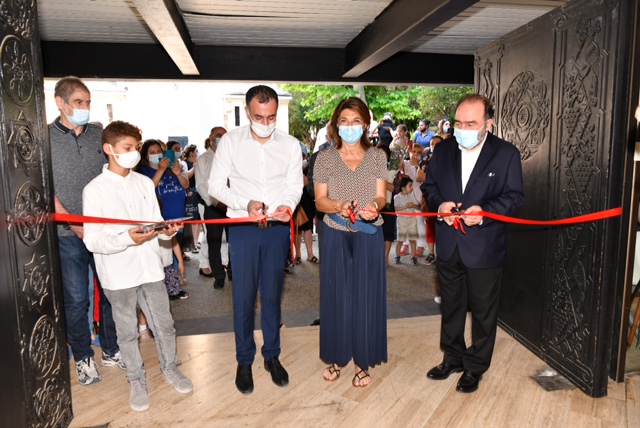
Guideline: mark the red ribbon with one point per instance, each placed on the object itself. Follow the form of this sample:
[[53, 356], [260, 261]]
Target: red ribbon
[[600, 215], [73, 218], [457, 222]]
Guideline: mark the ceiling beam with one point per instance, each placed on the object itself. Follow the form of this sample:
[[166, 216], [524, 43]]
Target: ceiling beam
[[400, 24], [167, 25], [238, 63]]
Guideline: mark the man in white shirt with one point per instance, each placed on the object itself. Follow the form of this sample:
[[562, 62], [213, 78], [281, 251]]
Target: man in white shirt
[[214, 209], [263, 166], [321, 138]]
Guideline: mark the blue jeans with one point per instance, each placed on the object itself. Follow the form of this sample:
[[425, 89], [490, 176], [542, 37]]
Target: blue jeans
[[75, 260], [154, 302]]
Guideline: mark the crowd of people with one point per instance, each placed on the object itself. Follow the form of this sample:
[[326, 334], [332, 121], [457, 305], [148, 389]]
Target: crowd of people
[[362, 189]]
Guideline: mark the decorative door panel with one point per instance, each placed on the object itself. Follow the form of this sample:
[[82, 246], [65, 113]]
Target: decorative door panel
[[33, 363], [554, 86]]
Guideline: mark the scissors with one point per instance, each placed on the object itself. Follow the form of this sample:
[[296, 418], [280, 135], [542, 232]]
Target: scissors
[[352, 213]]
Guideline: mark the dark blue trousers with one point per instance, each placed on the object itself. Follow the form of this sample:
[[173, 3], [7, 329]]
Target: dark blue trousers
[[258, 256]]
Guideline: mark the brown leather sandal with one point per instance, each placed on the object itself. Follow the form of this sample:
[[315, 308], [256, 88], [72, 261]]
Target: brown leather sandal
[[360, 378], [332, 369]]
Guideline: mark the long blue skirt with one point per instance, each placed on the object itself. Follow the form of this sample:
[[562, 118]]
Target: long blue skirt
[[353, 298]]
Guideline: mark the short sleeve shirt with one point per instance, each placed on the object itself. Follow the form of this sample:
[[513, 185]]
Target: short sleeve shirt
[[347, 185], [170, 192]]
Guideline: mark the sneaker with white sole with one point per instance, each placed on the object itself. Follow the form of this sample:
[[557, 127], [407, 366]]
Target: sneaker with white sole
[[139, 398], [113, 360], [87, 371], [429, 260], [179, 381]]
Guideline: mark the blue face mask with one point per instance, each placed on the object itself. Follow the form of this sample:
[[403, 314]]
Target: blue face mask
[[79, 117], [445, 129], [218, 141], [468, 139], [155, 159], [350, 134]]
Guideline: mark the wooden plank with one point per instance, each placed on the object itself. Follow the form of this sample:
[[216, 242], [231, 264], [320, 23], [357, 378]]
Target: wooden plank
[[400, 394]]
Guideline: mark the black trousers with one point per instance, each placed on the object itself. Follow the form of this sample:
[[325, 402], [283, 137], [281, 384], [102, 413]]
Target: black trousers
[[214, 240], [478, 289]]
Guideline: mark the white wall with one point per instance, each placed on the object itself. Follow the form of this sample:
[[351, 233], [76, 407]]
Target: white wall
[[163, 109]]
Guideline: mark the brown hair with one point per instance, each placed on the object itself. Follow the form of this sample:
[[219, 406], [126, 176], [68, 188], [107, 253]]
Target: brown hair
[[354, 104], [117, 130], [144, 161]]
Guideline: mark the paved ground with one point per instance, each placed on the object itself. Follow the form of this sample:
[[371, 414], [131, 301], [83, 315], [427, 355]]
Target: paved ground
[[410, 292]]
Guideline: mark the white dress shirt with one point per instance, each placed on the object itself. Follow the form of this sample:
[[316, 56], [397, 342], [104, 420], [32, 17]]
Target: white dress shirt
[[269, 172], [468, 161], [203, 170], [120, 262]]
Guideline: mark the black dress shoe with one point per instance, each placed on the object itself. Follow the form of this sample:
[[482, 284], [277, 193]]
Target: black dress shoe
[[279, 375], [208, 275], [244, 379], [442, 371], [468, 382], [229, 274], [218, 284]]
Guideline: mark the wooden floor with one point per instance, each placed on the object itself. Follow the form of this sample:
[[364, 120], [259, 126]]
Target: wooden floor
[[400, 395]]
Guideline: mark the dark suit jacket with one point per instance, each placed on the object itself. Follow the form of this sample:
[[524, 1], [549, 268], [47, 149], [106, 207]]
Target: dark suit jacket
[[495, 185]]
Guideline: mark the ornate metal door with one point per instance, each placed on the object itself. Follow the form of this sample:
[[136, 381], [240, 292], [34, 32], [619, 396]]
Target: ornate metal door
[[561, 89], [34, 370]]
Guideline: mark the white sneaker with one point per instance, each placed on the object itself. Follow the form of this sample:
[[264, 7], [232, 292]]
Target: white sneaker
[[114, 360], [87, 371], [139, 398], [178, 380], [437, 299]]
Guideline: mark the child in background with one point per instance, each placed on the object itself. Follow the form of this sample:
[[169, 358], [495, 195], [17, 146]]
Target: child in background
[[172, 280], [128, 258], [405, 201]]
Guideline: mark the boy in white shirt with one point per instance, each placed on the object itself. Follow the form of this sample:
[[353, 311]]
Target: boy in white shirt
[[128, 259], [405, 201]]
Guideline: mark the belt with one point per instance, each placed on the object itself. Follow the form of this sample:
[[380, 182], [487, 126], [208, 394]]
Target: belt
[[268, 223], [358, 226]]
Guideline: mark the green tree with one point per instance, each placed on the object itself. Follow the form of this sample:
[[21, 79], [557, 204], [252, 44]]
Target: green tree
[[314, 104], [438, 102]]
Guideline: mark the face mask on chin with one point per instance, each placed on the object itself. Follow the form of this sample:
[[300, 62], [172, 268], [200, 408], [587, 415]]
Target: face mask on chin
[[263, 131]]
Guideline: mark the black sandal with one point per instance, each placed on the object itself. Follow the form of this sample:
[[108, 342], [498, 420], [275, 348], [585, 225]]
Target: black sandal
[[333, 368], [360, 379], [314, 260]]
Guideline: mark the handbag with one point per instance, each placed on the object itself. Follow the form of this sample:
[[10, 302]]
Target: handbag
[[299, 216]]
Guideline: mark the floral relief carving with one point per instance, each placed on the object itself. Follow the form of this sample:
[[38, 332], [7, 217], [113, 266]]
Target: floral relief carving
[[526, 113]]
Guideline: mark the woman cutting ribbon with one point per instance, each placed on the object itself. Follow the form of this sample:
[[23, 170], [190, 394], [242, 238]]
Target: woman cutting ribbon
[[350, 186]]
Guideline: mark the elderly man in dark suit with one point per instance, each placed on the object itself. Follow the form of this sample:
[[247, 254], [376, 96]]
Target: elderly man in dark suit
[[474, 171]]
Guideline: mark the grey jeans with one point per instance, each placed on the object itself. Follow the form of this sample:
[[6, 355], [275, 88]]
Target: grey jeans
[[154, 302]]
